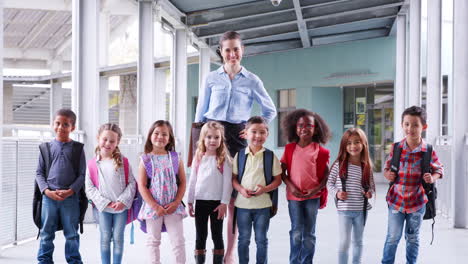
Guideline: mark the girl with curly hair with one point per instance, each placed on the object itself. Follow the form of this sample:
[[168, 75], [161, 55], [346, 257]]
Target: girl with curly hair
[[305, 163]]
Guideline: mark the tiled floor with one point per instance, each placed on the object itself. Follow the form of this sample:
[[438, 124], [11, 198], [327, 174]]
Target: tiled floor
[[450, 245]]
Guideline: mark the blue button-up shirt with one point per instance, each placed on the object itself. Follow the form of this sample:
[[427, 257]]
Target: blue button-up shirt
[[61, 174], [229, 100]]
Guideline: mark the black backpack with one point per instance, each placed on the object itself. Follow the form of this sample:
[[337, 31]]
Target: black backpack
[[429, 189], [37, 199]]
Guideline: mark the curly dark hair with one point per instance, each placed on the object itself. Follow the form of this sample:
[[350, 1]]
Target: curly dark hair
[[321, 132]]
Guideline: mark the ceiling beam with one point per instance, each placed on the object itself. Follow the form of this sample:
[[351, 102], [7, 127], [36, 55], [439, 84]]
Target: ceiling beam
[[291, 33], [249, 25], [365, 34], [352, 12], [37, 30], [235, 13], [301, 25], [114, 7]]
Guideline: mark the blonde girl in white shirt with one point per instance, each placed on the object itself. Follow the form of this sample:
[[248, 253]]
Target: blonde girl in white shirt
[[210, 186]]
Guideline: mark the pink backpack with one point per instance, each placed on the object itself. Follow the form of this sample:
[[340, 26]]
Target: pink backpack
[[132, 212]]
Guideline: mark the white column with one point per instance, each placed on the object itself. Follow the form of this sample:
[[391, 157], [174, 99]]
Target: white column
[[159, 89], [414, 92], [85, 70], [1, 100], [460, 126], [179, 97], [434, 65], [204, 69], [56, 91], [104, 36], [145, 92], [400, 79]]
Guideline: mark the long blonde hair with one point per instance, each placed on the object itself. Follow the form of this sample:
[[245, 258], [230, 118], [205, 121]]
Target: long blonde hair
[[221, 153], [116, 154]]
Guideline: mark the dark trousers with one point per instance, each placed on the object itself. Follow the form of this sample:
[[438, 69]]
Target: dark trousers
[[203, 210]]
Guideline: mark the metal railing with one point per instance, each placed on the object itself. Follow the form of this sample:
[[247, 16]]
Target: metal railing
[[19, 160]]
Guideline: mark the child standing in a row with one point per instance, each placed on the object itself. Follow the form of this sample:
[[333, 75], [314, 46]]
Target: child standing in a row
[[256, 174], [306, 163], [352, 183], [161, 182], [111, 186], [211, 186]]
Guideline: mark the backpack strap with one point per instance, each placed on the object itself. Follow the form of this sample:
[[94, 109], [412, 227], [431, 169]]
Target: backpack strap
[[343, 180], [175, 165], [241, 161], [77, 150], [395, 164], [126, 169], [268, 172], [93, 172], [45, 152]]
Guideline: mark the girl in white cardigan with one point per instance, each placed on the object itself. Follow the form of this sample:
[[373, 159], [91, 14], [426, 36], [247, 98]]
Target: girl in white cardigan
[[111, 187], [210, 185]]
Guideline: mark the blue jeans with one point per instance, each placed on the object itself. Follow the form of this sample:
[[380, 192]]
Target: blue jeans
[[68, 213], [112, 227], [350, 222], [303, 216], [396, 220], [260, 220]]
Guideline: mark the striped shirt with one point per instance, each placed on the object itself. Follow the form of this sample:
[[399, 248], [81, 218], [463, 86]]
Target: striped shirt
[[355, 201], [407, 194]]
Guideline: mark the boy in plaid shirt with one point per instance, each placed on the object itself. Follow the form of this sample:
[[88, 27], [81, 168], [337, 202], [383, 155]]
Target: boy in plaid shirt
[[406, 197]]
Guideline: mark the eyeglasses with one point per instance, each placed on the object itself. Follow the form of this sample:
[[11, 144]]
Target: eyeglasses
[[308, 126]]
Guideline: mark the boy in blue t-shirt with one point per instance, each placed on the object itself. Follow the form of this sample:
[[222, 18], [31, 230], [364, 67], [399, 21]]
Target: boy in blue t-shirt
[[60, 190]]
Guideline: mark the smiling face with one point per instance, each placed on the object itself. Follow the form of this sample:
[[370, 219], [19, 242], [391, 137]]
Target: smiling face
[[413, 127], [63, 126], [257, 135], [160, 137], [107, 142], [354, 147], [305, 128], [232, 51]]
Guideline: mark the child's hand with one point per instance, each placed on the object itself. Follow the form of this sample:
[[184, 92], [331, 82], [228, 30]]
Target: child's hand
[[170, 208], [260, 190], [53, 195], [221, 209], [428, 178], [342, 195], [110, 205], [190, 210], [65, 193], [294, 191], [160, 211], [243, 134], [246, 193], [390, 175], [368, 195], [309, 193], [118, 206]]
